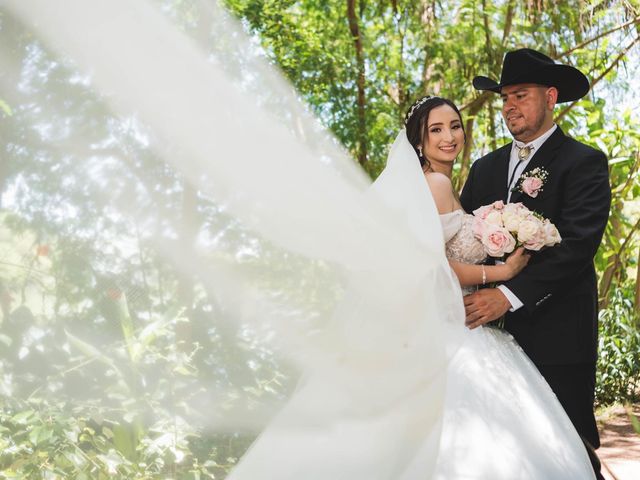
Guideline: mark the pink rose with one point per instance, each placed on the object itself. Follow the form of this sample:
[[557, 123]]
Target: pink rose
[[497, 241], [483, 211], [531, 186], [551, 234]]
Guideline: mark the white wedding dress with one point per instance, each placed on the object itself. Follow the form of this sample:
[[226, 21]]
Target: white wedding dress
[[501, 419], [393, 386]]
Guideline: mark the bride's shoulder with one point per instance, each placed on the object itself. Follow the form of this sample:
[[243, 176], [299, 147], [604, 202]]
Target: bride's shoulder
[[437, 177], [441, 190]]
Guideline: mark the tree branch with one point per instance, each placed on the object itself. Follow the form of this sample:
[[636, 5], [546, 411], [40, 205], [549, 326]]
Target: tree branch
[[602, 75], [475, 104], [630, 177], [597, 37]]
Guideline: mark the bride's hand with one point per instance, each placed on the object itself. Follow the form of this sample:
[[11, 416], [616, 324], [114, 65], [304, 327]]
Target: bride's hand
[[516, 262]]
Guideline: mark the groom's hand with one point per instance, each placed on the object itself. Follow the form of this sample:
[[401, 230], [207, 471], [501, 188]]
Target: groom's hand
[[485, 306]]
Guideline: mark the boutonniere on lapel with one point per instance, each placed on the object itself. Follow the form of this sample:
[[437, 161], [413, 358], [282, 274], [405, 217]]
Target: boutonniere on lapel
[[531, 182]]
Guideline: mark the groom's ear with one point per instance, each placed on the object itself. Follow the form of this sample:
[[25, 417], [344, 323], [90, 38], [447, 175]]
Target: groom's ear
[[551, 97]]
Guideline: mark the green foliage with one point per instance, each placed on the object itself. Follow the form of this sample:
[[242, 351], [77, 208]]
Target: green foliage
[[619, 139], [4, 106], [45, 440], [113, 392], [618, 377], [412, 48]]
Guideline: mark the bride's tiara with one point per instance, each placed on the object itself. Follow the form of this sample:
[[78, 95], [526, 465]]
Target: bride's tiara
[[417, 105]]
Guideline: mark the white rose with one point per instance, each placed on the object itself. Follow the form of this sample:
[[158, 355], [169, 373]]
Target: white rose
[[519, 209], [536, 242], [494, 218], [528, 229], [512, 207], [511, 220]]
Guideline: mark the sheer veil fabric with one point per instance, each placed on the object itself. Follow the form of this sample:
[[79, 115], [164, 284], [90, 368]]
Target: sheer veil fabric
[[401, 440], [373, 343]]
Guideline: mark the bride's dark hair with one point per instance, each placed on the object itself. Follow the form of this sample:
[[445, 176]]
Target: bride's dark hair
[[416, 118]]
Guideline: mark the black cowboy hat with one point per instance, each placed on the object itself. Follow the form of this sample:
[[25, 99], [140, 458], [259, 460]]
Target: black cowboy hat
[[528, 66]]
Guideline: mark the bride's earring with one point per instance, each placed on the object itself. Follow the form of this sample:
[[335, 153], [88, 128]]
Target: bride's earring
[[424, 163], [421, 158]]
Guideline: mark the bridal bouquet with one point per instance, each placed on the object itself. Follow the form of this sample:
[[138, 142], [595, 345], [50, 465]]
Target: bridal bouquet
[[503, 227]]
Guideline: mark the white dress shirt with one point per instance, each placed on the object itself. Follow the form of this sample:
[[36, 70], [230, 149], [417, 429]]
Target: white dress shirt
[[519, 165]]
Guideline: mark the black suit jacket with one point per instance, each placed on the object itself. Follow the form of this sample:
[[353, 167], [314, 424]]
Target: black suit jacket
[[558, 323]]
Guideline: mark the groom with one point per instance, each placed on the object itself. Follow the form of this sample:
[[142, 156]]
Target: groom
[[551, 306]]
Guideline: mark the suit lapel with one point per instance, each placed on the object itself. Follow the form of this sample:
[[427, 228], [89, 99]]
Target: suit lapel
[[542, 158]]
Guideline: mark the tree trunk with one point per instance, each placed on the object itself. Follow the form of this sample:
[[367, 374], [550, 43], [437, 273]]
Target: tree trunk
[[402, 93], [494, 59], [508, 22], [473, 108], [487, 34], [466, 154], [361, 133], [492, 127], [637, 296]]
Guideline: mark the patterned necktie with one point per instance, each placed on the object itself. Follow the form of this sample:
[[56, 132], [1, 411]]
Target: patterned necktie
[[523, 156], [524, 152]]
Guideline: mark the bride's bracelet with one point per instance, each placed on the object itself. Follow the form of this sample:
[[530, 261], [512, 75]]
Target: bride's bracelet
[[484, 275]]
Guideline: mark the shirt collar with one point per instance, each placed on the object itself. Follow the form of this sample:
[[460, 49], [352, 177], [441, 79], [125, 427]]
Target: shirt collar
[[537, 143]]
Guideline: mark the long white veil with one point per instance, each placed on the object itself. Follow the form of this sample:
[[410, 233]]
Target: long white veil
[[348, 284]]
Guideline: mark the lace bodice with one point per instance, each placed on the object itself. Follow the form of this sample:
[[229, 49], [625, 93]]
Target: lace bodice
[[460, 243]]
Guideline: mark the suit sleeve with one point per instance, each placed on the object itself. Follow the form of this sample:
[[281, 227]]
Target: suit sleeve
[[581, 221]]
